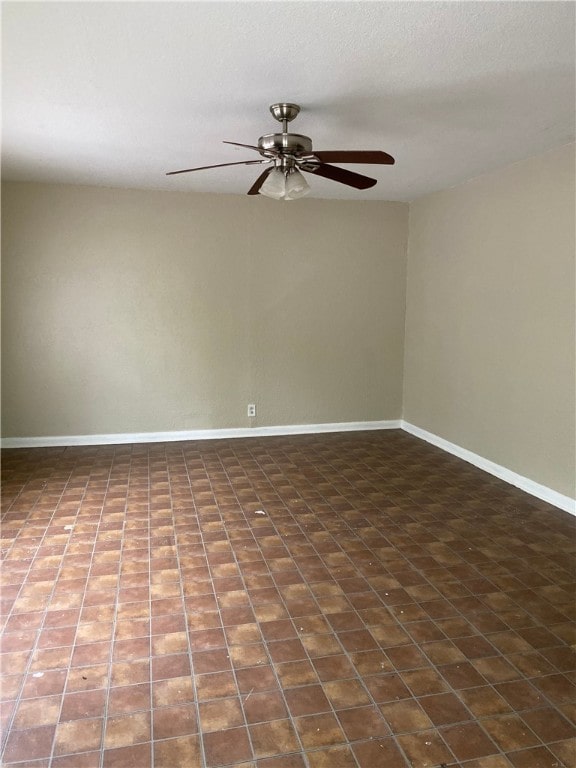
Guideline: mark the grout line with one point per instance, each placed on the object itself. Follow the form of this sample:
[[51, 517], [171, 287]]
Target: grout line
[[185, 612]]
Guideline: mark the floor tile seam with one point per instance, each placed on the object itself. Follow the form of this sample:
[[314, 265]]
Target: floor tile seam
[[189, 645], [150, 648], [25, 675], [234, 669], [270, 660], [52, 753]]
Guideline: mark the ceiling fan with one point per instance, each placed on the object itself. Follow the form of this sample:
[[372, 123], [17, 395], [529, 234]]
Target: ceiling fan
[[290, 153]]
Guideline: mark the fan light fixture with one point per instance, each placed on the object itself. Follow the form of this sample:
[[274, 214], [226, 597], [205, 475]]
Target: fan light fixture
[[286, 154], [285, 185]]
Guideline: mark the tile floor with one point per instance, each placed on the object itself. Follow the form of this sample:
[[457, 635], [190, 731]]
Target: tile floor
[[392, 607]]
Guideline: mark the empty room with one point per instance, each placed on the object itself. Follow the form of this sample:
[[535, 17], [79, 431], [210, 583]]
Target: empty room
[[288, 385]]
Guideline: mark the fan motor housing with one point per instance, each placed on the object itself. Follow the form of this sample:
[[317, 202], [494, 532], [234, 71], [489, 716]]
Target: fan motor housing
[[285, 143]]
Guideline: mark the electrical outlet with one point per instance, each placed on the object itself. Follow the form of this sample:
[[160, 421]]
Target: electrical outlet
[[252, 410]]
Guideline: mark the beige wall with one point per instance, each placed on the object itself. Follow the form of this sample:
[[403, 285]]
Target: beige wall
[[489, 359], [132, 311]]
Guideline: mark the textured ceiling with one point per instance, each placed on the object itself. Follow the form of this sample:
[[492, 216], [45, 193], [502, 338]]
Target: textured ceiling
[[117, 94]]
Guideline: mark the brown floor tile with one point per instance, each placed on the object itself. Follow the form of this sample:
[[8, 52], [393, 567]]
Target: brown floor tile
[[443, 652], [462, 675], [565, 750], [284, 761], [205, 662], [362, 723], [389, 636], [306, 700], [496, 669], [382, 752], [407, 657], [132, 648], [256, 679], [385, 688], [29, 744], [321, 645], [248, 655], [333, 668], [183, 751], [78, 736], [214, 686], [76, 706], [425, 748], [549, 725], [261, 707], [53, 637], [228, 747], [531, 664], [536, 757], [84, 760], [273, 738], [492, 761], [341, 622], [423, 682], [137, 756], [170, 722], [383, 570], [286, 650], [164, 667], [520, 695], [484, 701], [405, 716], [220, 715], [244, 634], [319, 731], [95, 631], [510, 732], [125, 730], [282, 629], [346, 693], [468, 741], [334, 756], [203, 639], [294, 673], [444, 708], [557, 688], [49, 658], [129, 698], [32, 713]]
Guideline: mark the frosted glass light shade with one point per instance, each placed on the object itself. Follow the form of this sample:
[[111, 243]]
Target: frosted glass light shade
[[288, 187], [296, 186], [275, 185]]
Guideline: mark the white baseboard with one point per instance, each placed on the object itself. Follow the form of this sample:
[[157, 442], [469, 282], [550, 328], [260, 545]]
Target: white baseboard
[[524, 483], [194, 434], [535, 489]]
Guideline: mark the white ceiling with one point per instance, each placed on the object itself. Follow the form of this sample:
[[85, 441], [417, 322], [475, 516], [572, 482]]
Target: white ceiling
[[117, 94]]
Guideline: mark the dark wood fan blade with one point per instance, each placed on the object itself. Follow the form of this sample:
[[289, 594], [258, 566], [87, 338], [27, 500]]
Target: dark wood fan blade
[[220, 165], [361, 156], [343, 176], [236, 144], [255, 188]]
